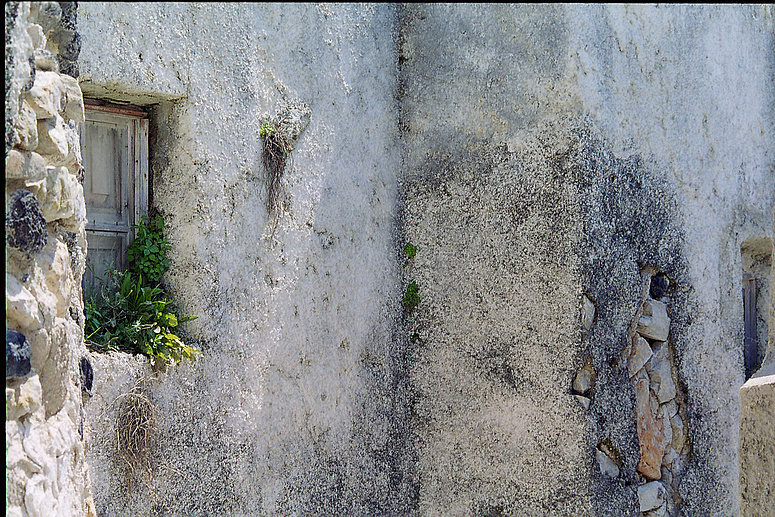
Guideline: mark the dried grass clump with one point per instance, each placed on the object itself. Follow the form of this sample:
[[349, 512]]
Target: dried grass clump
[[137, 429], [275, 156]]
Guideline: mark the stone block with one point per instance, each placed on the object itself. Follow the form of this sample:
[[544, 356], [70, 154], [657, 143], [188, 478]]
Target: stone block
[[27, 127], [24, 165], [45, 60], [45, 14], [23, 399], [584, 379], [587, 313], [47, 95], [40, 346], [52, 139], [73, 99], [607, 465], [679, 435], [639, 354], [650, 428], [38, 37], [584, 401], [25, 224], [654, 323], [21, 307], [660, 371], [651, 496], [17, 355]]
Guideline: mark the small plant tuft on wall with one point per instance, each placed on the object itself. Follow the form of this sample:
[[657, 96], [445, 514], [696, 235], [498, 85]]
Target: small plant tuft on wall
[[132, 312], [412, 295], [275, 155]]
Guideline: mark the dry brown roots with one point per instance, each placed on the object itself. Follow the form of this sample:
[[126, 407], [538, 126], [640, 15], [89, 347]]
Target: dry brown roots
[[275, 156], [137, 428]]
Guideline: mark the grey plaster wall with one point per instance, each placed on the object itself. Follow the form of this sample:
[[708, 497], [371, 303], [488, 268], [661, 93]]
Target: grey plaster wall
[[534, 154], [295, 407], [558, 150]]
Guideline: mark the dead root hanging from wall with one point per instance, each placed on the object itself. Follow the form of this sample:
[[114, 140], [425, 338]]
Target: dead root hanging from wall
[[137, 433], [279, 135]]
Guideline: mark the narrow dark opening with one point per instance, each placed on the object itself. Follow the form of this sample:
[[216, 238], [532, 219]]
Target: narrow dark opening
[[751, 346]]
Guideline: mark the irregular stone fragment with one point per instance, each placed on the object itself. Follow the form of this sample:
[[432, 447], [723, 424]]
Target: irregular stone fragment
[[584, 379], [73, 99], [24, 165], [640, 353], [24, 399], [651, 496], [584, 401], [36, 34], [679, 435], [21, 307], [671, 408], [657, 512], [45, 60], [25, 226], [587, 312], [52, 139], [27, 127], [651, 435], [45, 14], [17, 355], [46, 95], [654, 323], [659, 285], [660, 372], [608, 466], [670, 456]]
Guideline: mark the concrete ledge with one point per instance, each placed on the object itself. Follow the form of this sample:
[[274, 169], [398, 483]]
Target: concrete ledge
[[757, 446]]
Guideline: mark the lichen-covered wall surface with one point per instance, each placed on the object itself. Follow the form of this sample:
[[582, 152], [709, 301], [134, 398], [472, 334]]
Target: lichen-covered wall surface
[[47, 370], [580, 182]]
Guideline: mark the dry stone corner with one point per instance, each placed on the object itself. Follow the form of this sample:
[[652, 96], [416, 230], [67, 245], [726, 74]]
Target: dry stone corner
[[589, 188]]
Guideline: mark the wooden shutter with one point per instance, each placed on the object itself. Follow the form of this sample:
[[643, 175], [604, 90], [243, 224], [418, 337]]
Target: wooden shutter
[[114, 146]]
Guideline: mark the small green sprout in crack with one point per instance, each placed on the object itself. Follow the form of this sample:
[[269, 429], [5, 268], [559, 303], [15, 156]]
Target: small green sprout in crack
[[410, 250], [267, 129], [412, 296]]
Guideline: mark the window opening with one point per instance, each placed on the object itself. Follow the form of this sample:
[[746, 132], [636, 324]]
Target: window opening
[[114, 143], [751, 350], [757, 311]]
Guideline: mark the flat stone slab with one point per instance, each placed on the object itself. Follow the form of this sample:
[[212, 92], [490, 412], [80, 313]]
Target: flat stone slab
[[654, 323]]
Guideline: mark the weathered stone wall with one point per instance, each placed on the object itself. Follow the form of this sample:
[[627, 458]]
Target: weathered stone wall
[[47, 367]]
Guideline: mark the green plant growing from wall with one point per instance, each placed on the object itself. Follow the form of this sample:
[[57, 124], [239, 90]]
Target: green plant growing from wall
[[410, 250], [147, 255], [412, 295], [132, 312]]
